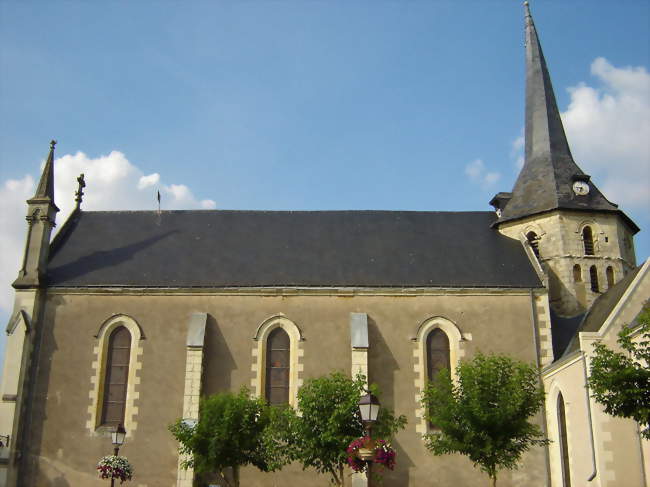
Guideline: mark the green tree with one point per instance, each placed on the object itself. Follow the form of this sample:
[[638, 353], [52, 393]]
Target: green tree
[[232, 431], [484, 415], [620, 381], [328, 420]]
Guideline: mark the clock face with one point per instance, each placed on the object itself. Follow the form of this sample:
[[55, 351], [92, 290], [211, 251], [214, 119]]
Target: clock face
[[580, 188]]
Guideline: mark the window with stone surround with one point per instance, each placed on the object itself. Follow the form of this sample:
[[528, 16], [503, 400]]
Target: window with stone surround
[[117, 361], [277, 360], [437, 345]]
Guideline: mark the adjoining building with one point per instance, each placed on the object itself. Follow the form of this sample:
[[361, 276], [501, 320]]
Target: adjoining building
[[130, 317]]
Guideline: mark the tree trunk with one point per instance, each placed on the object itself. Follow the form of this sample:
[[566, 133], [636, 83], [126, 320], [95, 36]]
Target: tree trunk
[[336, 480], [494, 481], [235, 475]]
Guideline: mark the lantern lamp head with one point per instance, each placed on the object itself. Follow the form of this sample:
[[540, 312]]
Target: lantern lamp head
[[369, 408], [118, 435]]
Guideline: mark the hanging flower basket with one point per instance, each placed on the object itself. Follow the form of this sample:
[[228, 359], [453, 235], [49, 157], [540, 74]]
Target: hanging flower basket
[[114, 467], [365, 449]]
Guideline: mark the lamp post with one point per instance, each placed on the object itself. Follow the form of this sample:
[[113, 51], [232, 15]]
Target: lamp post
[[117, 438], [369, 408]]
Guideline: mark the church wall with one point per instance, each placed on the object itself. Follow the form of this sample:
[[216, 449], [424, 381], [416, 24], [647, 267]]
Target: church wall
[[64, 451]]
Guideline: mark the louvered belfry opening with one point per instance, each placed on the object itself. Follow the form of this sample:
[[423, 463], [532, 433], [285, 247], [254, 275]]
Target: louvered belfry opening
[[577, 273], [534, 242], [609, 272], [588, 240], [278, 354], [117, 374], [593, 274]]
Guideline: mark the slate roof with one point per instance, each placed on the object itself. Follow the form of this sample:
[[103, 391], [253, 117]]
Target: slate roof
[[546, 180], [603, 306], [221, 248]]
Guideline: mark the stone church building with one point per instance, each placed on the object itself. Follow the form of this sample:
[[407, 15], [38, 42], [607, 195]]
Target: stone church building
[[130, 317]]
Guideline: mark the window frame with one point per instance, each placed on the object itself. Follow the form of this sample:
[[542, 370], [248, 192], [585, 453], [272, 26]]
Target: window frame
[[456, 352], [563, 439], [296, 352], [99, 365], [108, 373], [588, 240]]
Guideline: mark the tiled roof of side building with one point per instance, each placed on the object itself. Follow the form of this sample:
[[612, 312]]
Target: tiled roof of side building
[[223, 248]]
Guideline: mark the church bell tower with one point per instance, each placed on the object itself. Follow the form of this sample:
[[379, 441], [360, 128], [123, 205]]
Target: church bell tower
[[582, 241]]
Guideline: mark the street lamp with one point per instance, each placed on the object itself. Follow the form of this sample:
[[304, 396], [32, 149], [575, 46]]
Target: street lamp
[[117, 437], [369, 408]]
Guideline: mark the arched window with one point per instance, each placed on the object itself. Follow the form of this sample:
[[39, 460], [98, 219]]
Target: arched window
[[564, 443], [278, 354], [437, 353], [588, 240], [593, 274], [577, 273], [277, 360], [116, 378], [609, 272], [533, 240]]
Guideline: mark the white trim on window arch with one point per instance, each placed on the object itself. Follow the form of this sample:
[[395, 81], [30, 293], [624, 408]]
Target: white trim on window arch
[[296, 353], [456, 352], [100, 354]]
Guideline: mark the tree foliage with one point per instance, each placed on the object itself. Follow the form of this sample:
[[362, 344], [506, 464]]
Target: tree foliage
[[620, 381], [232, 432], [328, 420], [485, 415]]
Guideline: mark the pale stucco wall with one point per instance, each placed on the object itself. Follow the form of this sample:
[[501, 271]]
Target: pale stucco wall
[[620, 458], [63, 451]]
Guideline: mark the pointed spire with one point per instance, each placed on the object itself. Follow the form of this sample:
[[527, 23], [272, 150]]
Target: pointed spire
[[544, 131], [546, 181], [45, 189]]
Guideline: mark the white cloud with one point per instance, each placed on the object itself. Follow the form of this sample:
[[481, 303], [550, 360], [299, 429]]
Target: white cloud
[[478, 173], [112, 183], [517, 150], [150, 180], [608, 127]]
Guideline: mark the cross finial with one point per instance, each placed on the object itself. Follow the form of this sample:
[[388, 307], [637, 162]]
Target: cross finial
[[80, 193], [52, 144]]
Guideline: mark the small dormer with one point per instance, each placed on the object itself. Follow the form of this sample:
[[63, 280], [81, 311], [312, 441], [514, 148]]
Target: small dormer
[[500, 201]]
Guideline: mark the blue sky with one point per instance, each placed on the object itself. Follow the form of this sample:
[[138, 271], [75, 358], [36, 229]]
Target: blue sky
[[414, 105]]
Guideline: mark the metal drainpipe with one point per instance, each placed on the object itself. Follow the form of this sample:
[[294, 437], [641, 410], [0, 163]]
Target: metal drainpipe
[[591, 424], [539, 375]]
